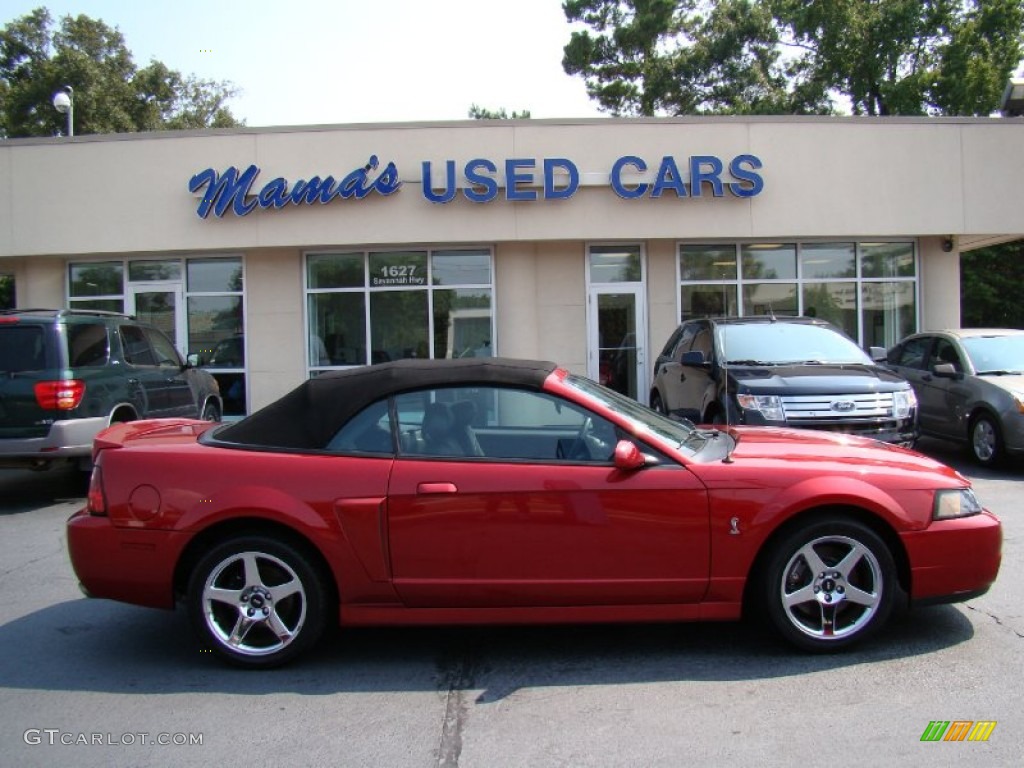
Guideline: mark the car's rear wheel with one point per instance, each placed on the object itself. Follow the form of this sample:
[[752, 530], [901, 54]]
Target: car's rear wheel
[[986, 440], [829, 584], [211, 411], [658, 404], [257, 602]]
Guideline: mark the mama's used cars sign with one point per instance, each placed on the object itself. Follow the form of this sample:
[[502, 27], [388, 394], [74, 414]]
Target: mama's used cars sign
[[482, 181]]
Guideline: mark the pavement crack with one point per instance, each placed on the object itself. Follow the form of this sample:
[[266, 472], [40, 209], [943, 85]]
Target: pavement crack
[[997, 620], [457, 678]]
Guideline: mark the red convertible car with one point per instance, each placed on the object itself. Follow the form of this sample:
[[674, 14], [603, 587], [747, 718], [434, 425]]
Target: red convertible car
[[506, 491]]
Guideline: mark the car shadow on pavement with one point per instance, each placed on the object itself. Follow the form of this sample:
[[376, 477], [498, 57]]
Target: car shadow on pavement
[[99, 646], [23, 490]]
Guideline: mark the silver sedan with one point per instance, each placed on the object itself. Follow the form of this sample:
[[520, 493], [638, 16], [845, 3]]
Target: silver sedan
[[970, 387]]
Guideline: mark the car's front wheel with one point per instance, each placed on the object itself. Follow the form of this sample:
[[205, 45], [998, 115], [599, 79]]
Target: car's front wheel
[[211, 411], [658, 404], [986, 440], [829, 584], [257, 602]]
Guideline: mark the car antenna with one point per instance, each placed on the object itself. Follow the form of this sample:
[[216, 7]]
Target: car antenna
[[725, 373]]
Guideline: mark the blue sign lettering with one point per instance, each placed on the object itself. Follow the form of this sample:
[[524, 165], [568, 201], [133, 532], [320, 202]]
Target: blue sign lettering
[[233, 190], [559, 179]]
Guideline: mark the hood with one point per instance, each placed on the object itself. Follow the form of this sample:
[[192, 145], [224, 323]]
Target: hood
[[824, 379], [811, 448]]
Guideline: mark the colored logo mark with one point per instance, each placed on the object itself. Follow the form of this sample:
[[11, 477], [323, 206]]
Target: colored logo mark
[[958, 730]]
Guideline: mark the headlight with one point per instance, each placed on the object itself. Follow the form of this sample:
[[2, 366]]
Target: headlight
[[770, 406], [955, 503], [1018, 399], [903, 403]]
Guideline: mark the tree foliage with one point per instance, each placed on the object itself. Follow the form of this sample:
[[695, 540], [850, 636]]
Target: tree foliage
[[111, 94], [990, 282], [482, 113], [873, 57]]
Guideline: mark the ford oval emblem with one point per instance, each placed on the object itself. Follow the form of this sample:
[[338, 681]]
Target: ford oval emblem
[[843, 406]]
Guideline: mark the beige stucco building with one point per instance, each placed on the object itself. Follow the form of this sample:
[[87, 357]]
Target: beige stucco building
[[579, 241]]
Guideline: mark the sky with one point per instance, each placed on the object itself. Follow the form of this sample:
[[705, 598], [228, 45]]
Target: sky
[[309, 62]]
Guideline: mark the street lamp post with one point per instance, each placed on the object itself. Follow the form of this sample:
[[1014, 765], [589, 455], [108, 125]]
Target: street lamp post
[[64, 102]]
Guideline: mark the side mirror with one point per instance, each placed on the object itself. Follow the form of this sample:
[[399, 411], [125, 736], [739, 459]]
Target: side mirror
[[628, 457], [877, 354], [192, 360], [944, 370], [692, 358]]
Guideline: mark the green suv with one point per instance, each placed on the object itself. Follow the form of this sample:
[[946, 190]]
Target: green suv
[[67, 374]]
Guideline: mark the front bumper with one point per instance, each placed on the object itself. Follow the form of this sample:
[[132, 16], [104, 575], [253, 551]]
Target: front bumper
[[954, 560]]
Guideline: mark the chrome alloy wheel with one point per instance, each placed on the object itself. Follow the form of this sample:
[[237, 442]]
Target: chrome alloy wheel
[[254, 603], [985, 441], [831, 588]]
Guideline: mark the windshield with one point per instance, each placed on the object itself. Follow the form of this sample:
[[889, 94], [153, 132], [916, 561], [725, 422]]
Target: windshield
[[996, 354], [786, 343], [644, 420]]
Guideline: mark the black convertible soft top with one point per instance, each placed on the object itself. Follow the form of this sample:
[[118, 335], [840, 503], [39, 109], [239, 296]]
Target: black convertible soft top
[[310, 415]]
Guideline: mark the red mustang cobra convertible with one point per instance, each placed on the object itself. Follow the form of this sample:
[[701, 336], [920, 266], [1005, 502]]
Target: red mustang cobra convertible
[[509, 491]]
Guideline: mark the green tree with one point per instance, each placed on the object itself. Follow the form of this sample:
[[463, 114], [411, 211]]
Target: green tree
[[111, 94], [881, 57], [482, 113], [990, 281]]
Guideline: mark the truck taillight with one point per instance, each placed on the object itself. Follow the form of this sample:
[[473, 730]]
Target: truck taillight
[[62, 395], [96, 500]]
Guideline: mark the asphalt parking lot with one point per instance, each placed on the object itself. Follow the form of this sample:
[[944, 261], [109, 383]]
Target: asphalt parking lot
[[94, 683]]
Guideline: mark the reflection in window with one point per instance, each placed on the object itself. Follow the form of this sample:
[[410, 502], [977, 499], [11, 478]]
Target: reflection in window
[[149, 271], [337, 328], [769, 261], [867, 289], [96, 279], [615, 264], [214, 275], [388, 305], [820, 261], [707, 262], [769, 299], [398, 325], [889, 312]]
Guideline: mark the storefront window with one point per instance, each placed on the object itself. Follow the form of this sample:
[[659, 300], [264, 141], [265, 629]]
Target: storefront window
[[99, 279], [707, 262], [214, 275], [867, 289], [143, 271], [889, 311], [769, 261], [769, 299], [373, 307], [615, 264]]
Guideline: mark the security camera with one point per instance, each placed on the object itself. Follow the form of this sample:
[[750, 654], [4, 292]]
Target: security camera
[[947, 244]]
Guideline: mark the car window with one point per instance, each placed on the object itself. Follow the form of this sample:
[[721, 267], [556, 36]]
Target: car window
[[501, 423], [787, 344], [996, 354], [22, 348], [369, 431], [945, 352], [87, 345], [702, 342], [137, 350], [166, 354], [684, 341], [912, 353]]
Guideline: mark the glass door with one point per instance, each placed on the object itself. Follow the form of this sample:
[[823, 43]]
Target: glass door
[[160, 305], [617, 334]]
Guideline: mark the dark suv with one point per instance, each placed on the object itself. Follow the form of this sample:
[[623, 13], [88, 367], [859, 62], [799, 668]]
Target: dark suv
[[781, 371], [67, 374]]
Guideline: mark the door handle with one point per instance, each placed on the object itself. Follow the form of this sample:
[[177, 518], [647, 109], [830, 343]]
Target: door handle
[[436, 488]]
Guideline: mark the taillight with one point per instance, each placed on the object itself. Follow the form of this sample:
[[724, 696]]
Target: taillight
[[63, 395], [96, 500]]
